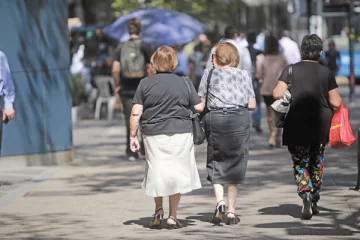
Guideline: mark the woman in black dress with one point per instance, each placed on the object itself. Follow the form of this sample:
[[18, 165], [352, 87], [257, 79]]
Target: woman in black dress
[[315, 97], [227, 124]]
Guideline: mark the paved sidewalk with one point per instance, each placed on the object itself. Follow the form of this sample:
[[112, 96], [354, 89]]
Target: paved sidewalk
[[99, 196]]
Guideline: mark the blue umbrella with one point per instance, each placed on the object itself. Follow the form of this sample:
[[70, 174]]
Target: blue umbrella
[[158, 27]]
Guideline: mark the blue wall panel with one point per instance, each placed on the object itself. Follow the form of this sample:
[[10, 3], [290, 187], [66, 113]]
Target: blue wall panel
[[57, 119], [35, 39]]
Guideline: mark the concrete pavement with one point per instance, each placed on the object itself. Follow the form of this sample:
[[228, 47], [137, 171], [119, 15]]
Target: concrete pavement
[[98, 196]]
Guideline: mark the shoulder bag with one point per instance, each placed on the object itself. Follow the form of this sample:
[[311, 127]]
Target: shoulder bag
[[198, 129], [280, 108]]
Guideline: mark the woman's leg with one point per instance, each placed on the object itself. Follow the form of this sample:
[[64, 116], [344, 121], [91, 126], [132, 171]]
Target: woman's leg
[[159, 213], [174, 203], [316, 170], [278, 137], [271, 127], [158, 203], [219, 192], [232, 194], [301, 156]]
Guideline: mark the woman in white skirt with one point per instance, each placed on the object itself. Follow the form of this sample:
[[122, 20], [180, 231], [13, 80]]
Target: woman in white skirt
[[163, 102]]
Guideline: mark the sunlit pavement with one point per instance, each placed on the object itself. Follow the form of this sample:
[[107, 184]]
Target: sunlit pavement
[[99, 196]]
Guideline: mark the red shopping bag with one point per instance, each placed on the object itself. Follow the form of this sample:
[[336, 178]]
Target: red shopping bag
[[341, 135]]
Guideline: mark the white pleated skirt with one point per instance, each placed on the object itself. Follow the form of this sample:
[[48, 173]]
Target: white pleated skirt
[[170, 165]]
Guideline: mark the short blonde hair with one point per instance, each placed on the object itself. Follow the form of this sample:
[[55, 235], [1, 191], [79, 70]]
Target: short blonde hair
[[226, 55], [164, 59]]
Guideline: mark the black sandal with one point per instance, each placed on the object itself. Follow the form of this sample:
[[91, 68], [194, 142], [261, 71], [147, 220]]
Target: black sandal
[[219, 213], [157, 219], [177, 224], [232, 221]]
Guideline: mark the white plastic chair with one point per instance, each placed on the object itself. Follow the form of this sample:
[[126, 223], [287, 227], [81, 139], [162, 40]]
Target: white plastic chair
[[104, 85]]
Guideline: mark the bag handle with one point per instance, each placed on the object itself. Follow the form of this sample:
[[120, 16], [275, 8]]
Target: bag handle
[[207, 88], [290, 76], [192, 111]]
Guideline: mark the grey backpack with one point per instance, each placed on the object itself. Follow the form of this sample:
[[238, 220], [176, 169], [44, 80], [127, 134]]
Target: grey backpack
[[132, 59]]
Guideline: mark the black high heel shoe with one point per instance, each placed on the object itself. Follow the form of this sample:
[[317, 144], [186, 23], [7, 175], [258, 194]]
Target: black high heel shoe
[[157, 219], [232, 221], [219, 213]]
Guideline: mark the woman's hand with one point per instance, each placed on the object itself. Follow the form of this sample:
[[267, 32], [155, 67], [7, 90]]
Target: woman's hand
[[134, 144], [252, 104]]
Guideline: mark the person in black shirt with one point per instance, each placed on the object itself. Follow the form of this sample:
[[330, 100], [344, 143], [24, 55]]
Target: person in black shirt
[[332, 58], [130, 65], [315, 97], [163, 102]]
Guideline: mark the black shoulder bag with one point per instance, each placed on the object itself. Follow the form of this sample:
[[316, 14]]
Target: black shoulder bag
[[198, 129]]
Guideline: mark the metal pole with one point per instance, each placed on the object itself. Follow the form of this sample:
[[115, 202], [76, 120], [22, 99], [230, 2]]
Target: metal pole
[[309, 13], [351, 49], [358, 161]]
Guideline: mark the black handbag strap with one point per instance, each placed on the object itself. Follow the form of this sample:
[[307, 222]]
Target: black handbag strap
[[193, 113], [290, 76], [207, 88]]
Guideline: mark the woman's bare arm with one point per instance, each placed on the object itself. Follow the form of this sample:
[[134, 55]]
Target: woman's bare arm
[[136, 113]]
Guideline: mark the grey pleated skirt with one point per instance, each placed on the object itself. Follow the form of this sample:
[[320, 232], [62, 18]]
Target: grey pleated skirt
[[170, 165], [228, 136]]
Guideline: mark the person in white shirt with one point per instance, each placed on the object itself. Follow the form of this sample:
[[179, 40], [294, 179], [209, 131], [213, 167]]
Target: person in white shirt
[[242, 40], [290, 48], [231, 34]]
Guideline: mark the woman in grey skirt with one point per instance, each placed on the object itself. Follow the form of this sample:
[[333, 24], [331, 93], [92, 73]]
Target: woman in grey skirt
[[229, 97], [163, 103]]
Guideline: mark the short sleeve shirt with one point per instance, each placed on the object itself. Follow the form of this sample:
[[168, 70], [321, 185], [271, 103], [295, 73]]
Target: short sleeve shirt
[[167, 101], [309, 118], [229, 87], [130, 85]]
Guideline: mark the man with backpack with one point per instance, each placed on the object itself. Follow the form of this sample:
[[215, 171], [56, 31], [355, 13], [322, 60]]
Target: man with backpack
[[131, 61]]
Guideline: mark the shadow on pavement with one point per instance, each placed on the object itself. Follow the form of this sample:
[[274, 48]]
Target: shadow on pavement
[[340, 227], [145, 223]]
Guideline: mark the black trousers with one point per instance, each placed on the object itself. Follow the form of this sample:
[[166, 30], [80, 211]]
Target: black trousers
[[127, 106]]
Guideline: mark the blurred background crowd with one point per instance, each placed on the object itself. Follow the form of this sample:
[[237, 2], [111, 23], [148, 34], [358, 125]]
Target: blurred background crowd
[[194, 27]]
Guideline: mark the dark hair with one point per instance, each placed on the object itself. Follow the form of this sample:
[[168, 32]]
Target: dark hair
[[230, 31], [311, 47], [251, 38], [134, 26], [271, 46]]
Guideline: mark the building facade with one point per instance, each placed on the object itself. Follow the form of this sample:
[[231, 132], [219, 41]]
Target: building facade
[[36, 40]]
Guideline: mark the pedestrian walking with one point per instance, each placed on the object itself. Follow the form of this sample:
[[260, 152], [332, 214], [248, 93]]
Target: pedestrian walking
[[256, 116], [270, 65], [163, 102], [290, 48], [7, 92], [229, 95], [315, 97], [129, 67], [332, 58]]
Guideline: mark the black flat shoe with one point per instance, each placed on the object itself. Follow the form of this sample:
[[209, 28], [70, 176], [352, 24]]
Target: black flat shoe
[[315, 209], [232, 220], [157, 220], [307, 211], [219, 213]]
